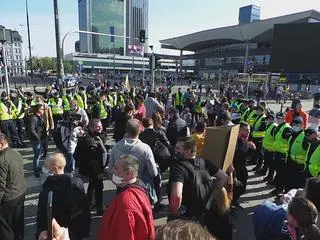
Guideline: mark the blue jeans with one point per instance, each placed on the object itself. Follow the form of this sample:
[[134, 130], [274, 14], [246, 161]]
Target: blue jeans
[[70, 163], [37, 150]]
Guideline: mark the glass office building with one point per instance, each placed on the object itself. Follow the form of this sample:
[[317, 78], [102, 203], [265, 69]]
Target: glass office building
[[249, 14], [119, 17], [136, 20]]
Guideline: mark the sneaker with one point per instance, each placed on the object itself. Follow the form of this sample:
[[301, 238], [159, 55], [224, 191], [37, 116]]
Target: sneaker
[[37, 176]]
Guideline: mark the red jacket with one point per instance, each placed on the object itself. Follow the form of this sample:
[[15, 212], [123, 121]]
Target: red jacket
[[128, 217], [290, 117]]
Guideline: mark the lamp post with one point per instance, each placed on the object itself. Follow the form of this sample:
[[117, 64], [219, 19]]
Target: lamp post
[[29, 40], [58, 48]]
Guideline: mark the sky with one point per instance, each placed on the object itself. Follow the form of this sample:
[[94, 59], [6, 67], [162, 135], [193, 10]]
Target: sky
[[167, 18]]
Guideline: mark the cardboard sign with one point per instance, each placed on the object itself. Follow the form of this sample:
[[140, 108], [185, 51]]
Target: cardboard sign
[[220, 145]]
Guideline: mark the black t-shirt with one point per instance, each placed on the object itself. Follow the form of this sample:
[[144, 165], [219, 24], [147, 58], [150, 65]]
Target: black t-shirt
[[179, 173]]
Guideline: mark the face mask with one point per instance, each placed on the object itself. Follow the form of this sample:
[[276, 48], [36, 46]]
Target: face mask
[[117, 180], [83, 92], [68, 95], [296, 128]]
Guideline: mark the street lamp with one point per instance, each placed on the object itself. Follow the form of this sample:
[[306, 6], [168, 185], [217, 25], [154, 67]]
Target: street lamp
[[29, 40]]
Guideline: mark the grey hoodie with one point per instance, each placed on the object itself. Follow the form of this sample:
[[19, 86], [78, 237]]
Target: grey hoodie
[[148, 167], [152, 105]]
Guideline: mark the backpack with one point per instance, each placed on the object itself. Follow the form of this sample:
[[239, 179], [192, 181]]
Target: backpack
[[201, 187], [57, 139], [268, 220]]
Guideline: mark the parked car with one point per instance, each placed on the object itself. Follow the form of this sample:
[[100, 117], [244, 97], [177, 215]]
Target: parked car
[[69, 82]]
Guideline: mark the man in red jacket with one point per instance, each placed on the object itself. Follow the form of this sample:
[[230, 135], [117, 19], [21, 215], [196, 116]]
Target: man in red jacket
[[129, 216], [295, 111]]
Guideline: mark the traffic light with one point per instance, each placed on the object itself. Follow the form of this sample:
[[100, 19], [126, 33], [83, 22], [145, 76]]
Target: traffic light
[[2, 62], [250, 70], [157, 62], [142, 36]]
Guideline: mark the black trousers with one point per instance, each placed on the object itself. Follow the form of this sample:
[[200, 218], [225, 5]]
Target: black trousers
[[19, 126], [11, 219], [258, 155], [269, 162], [95, 189], [241, 183], [296, 175], [45, 148], [9, 128], [211, 118], [281, 170], [56, 118]]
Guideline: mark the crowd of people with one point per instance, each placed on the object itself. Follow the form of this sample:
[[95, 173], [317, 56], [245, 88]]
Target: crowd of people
[[157, 134]]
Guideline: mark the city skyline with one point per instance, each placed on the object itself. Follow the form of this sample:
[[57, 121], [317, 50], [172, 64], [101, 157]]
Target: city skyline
[[166, 19]]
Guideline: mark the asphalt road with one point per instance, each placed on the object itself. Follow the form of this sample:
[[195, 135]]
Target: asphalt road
[[257, 192]]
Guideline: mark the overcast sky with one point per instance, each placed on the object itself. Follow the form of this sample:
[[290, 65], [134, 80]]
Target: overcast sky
[[167, 18]]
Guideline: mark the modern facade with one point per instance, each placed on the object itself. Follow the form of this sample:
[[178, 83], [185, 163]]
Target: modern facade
[[118, 17], [230, 48], [249, 14], [14, 52]]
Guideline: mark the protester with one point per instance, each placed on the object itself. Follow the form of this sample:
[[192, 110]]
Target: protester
[[37, 135], [185, 230], [176, 128], [187, 199], [12, 192], [129, 215], [92, 158], [70, 203], [132, 145]]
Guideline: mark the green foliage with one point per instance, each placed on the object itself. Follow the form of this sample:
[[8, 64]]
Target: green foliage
[[49, 63]]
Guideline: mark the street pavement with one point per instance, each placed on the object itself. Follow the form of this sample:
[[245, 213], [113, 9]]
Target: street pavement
[[257, 191]]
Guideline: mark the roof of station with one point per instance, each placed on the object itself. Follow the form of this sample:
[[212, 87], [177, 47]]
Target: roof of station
[[254, 31]]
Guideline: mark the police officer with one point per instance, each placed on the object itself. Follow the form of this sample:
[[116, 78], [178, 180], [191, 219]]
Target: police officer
[[178, 100], [313, 153], [281, 136], [6, 122], [56, 106], [66, 100], [248, 110], [198, 109], [252, 115], [18, 112], [296, 160], [101, 110], [81, 98], [268, 146], [258, 132]]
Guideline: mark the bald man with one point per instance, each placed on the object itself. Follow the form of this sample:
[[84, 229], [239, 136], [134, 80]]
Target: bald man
[[70, 203]]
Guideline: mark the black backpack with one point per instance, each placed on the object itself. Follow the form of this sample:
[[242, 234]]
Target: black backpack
[[202, 187], [57, 139]]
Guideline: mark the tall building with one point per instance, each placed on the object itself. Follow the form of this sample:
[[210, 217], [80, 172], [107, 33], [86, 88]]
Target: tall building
[[120, 17], [249, 14], [14, 54]]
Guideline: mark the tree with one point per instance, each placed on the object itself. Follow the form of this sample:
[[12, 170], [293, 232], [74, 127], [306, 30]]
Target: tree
[[68, 66]]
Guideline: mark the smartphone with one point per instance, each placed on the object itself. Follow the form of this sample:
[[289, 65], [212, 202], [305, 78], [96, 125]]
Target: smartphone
[[49, 214]]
